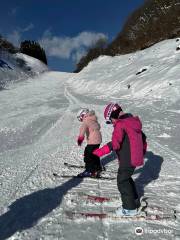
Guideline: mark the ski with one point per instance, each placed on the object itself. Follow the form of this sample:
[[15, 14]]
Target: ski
[[75, 176], [69, 165], [75, 214], [144, 212], [144, 203], [110, 216], [97, 199], [103, 199]]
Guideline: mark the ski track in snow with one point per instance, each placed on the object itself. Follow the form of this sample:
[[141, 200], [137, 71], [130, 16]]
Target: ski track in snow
[[33, 201]]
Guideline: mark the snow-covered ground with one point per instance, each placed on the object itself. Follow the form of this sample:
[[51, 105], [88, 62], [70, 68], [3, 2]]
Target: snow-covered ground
[[38, 130]]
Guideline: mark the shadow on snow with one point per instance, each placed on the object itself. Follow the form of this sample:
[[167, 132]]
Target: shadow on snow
[[149, 172], [25, 212]]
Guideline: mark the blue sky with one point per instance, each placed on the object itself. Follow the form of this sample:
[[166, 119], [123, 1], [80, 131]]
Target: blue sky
[[65, 28]]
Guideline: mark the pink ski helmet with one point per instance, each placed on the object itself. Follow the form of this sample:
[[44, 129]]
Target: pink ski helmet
[[111, 110]]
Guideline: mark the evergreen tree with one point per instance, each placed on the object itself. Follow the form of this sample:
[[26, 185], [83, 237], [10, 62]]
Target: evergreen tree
[[33, 49]]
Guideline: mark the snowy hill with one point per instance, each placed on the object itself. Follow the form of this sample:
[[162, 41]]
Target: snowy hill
[[149, 73], [152, 22], [38, 130], [16, 67]]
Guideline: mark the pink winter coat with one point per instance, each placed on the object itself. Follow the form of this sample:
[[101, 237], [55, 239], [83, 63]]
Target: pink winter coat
[[91, 129], [127, 141]]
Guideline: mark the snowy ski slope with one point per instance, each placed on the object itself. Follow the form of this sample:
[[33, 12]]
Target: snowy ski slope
[[38, 130]]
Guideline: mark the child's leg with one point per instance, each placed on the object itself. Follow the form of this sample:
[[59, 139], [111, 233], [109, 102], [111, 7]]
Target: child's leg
[[127, 187], [92, 162], [96, 163], [87, 158]]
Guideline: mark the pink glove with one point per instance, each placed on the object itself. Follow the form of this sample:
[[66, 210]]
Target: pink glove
[[102, 151], [80, 140]]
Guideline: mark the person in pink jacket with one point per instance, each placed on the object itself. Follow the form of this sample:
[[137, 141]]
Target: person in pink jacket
[[129, 143], [90, 128]]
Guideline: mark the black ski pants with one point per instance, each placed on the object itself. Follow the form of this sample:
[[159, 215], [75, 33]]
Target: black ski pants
[[127, 187], [92, 162]]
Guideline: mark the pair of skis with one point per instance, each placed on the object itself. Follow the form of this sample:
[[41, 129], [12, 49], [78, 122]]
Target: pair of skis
[[145, 211], [111, 216], [75, 176], [68, 165]]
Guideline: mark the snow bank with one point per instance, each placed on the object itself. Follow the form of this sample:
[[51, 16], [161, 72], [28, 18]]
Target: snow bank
[[16, 67], [151, 73]]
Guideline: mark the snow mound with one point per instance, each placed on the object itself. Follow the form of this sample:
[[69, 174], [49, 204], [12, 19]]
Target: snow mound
[[150, 73], [36, 65], [16, 67]]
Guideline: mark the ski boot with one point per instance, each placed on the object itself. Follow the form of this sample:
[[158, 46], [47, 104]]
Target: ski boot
[[85, 174], [120, 212]]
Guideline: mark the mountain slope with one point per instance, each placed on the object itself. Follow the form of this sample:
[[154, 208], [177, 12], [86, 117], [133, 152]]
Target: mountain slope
[[17, 67], [154, 21], [38, 130]]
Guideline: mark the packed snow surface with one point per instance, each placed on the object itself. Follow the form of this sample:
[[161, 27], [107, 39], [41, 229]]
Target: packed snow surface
[[38, 131]]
